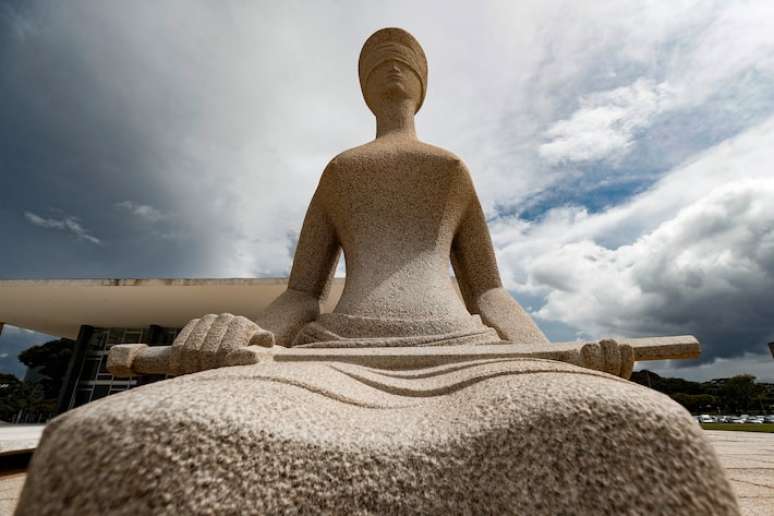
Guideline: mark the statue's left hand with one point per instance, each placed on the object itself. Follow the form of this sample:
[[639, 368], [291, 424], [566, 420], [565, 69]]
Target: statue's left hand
[[609, 356], [204, 343]]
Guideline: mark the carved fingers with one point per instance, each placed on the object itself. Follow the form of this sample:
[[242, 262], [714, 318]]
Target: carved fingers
[[608, 356], [205, 342]]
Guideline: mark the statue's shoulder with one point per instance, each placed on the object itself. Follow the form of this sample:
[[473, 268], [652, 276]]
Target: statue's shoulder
[[341, 165], [373, 149], [350, 157], [452, 165], [439, 154], [365, 156]]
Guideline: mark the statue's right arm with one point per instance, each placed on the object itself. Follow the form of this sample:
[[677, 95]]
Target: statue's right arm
[[206, 342], [314, 264]]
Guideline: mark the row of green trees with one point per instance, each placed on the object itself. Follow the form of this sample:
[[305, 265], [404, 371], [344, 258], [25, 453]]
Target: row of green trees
[[737, 395]]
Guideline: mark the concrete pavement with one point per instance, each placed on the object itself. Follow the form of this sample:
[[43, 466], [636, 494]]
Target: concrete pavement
[[748, 458]]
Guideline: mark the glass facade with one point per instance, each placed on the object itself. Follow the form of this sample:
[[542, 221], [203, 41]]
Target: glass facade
[[91, 379]]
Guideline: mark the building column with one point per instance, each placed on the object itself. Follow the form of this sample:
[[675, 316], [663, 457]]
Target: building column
[[154, 335], [70, 382]]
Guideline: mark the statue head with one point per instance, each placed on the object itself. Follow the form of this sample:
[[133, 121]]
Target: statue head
[[392, 67]]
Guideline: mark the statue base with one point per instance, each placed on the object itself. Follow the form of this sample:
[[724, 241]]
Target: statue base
[[516, 435]]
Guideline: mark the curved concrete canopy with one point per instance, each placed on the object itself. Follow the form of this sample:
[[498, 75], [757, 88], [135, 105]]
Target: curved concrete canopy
[[60, 307]]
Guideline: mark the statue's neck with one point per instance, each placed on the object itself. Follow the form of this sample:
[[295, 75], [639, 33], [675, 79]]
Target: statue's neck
[[396, 120]]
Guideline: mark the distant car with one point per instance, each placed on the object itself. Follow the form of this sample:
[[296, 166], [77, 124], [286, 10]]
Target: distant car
[[769, 419], [723, 419], [704, 418], [755, 420], [739, 420]]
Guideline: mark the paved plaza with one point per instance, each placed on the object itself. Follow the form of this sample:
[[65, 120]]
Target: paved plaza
[[10, 489], [19, 438], [748, 458]]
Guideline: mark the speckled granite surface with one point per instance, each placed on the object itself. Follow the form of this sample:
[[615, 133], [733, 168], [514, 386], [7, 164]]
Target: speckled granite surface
[[512, 436], [748, 459]]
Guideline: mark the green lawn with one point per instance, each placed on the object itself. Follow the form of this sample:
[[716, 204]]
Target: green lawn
[[766, 427]]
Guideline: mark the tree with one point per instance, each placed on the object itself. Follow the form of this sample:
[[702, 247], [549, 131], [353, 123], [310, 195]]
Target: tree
[[50, 360], [696, 402], [16, 395], [666, 385], [739, 391], [738, 394]]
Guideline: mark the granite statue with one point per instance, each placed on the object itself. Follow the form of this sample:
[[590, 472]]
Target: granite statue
[[407, 398]]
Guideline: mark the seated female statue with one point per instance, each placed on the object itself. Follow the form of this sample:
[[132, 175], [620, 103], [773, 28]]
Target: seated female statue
[[523, 436], [401, 210]]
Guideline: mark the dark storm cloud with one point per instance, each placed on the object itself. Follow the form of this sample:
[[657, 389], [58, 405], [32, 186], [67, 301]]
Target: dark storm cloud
[[112, 114], [72, 147]]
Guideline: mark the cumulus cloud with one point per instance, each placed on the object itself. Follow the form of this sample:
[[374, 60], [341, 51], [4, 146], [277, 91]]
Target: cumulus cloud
[[697, 270], [692, 255], [68, 224]]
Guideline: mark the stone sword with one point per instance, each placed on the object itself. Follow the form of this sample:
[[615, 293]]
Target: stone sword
[[130, 359]]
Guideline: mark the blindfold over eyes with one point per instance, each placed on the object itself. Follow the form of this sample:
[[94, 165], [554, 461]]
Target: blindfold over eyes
[[390, 51]]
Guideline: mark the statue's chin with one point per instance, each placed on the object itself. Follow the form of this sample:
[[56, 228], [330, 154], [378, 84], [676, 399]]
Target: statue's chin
[[395, 91]]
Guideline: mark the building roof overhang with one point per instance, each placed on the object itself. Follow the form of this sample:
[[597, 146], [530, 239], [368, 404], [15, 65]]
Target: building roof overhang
[[59, 307]]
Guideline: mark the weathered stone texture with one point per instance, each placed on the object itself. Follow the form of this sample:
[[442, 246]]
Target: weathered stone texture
[[504, 436]]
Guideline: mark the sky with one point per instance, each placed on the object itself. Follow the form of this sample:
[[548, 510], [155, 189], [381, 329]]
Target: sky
[[622, 150]]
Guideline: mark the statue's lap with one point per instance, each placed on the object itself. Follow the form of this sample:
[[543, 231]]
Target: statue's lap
[[479, 435]]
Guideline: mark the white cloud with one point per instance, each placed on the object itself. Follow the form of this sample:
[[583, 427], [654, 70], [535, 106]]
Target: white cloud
[[715, 51], [705, 261], [693, 254], [738, 39], [143, 211], [68, 224], [606, 124]]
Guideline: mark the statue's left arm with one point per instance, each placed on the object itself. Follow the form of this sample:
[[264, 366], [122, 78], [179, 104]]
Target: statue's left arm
[[475, 266]]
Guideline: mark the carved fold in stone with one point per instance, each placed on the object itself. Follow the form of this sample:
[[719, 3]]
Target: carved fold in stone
[[337, 330]]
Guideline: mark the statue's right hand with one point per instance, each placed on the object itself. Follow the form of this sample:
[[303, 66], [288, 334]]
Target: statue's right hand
[[205, 342]]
